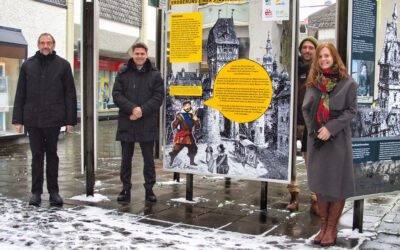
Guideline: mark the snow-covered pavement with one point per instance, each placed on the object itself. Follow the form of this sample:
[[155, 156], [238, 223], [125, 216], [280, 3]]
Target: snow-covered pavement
[[88, 227]]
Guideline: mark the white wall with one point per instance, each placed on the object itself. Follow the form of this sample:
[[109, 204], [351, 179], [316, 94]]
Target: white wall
[[327, 35], [258, 33], [115, 37], [34, 18]]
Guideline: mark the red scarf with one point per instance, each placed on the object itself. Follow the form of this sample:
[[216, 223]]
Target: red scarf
[[325, 83]]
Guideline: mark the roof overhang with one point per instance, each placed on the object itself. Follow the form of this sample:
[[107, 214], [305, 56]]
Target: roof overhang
[[12, 43]]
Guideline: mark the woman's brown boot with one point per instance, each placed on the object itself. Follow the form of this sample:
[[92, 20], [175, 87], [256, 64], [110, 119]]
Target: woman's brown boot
[[323, 215], [334, 213]]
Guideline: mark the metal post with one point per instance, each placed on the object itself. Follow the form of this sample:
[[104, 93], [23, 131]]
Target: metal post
[[264, 195], [342, 9], [70, 31], [88, 114], [189, 187], [158, 65], [358, 213], [176, 177], [227, 182]]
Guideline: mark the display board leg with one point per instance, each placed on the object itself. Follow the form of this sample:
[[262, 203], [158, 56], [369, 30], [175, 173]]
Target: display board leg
[[358, 215], [189, 187], [88, 115], [264, 194], [227, 182], [176, 177]]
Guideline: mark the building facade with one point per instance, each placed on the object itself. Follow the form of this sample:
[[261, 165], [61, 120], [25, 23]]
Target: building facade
[[22, 21]]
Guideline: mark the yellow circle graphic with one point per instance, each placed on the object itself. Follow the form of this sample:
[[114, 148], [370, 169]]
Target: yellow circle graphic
[[242, 91]]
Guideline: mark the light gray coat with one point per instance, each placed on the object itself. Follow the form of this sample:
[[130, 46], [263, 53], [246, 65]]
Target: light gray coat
[[330, 169]]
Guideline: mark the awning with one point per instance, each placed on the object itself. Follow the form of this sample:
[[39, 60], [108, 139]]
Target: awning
[[12, 43]]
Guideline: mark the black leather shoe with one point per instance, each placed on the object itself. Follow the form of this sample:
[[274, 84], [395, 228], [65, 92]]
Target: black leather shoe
[[150, 196], [35, 200], [55, 199], [124, 196]]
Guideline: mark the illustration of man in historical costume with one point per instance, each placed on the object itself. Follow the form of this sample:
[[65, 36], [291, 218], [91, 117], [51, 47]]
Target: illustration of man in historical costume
[[182, 127]]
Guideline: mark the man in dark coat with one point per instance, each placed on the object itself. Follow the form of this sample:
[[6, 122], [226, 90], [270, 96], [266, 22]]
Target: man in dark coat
[[307, 50], [138, 93], [44, 102]]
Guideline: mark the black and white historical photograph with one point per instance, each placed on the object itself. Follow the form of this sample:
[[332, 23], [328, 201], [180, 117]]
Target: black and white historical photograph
[[377, 177], [377, 124], [198, 138], [362, 73], [382, 117]]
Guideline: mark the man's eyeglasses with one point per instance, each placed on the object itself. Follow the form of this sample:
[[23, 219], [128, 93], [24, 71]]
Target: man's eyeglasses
[[46, 43]]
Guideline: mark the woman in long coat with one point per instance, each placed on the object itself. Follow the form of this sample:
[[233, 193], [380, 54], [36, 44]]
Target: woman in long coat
[[330, 103]]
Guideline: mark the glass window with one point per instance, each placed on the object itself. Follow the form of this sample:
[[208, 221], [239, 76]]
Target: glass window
[[9, 72]]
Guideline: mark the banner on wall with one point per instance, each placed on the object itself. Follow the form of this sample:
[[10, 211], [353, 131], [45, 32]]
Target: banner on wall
[[374, 66], [229, 91], [275, 10]]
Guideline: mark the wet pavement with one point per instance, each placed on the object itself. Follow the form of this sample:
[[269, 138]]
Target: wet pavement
[[219, 207]]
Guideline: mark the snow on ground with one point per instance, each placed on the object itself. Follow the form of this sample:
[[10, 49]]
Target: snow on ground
[[170, 183], [194, 201], [87, 227], [96, 198]]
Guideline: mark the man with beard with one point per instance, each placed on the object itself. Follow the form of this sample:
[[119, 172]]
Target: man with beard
[[307, 50], [45, 101], [182, 127]]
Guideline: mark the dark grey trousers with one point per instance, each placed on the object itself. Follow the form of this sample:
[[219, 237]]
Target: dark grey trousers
[[149, 171]]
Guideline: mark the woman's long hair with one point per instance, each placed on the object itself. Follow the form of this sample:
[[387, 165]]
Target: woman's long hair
[[316, 71]]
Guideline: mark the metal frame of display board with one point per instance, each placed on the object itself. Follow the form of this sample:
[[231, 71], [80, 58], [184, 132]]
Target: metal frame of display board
[[264, 184]]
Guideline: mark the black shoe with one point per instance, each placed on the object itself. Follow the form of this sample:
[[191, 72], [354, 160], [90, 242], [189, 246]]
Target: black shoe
[[150, 196], [124, 196], [55, 199], [35, 200]]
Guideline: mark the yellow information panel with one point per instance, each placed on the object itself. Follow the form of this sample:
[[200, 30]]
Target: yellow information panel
[[186, 37], [177, 2], [242, 91], [185, 91]]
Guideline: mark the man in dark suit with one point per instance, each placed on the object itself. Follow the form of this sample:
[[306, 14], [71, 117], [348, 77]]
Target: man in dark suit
[[44, 102], [138, 93]]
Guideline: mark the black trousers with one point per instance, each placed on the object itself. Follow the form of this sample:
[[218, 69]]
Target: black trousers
[[149, 171], [43, 141]]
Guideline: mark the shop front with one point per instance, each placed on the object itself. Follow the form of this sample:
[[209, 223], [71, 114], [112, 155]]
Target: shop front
[[13, 50], [108, 69]]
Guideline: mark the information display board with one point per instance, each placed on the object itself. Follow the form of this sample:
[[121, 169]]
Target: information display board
[[375, 60], [229, 92]]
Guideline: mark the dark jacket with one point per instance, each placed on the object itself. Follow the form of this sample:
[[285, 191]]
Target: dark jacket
[[142, 88], [303, 70], [46, 95]]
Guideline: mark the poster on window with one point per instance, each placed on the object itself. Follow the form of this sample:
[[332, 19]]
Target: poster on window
[[374, 66], [4, 107], [228, 109]]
